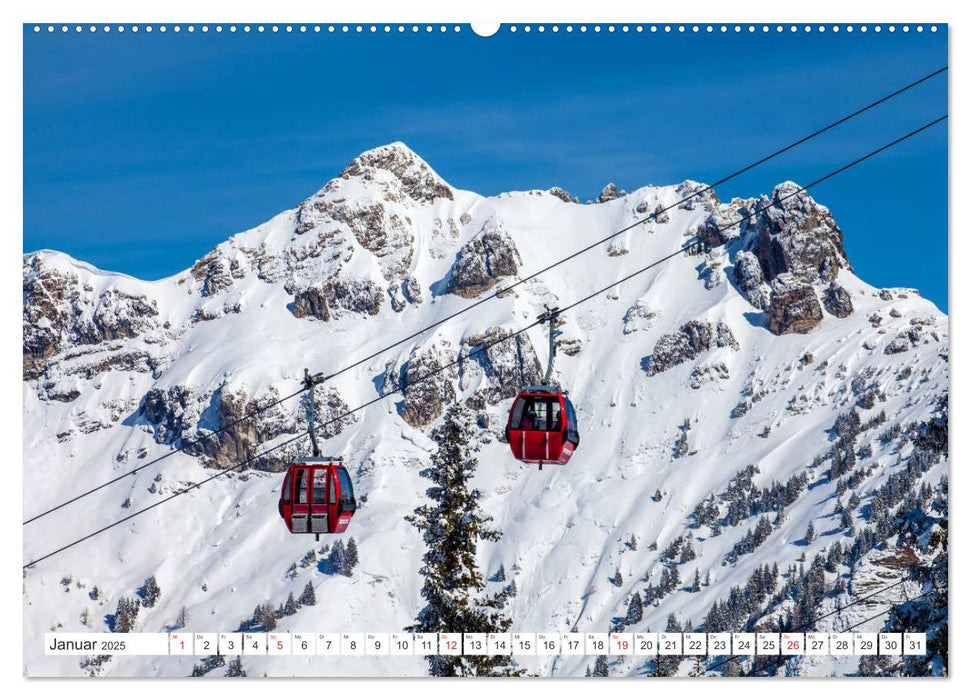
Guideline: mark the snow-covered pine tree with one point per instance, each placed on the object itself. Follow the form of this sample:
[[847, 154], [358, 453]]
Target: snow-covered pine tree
[[126, 613], [290, 607], [810, 533], [696, 586], [350, 558], [635, 610], [500, 574], [150, 592], [263, 617], [309, 596], [235, 669], [335, 561], [618, 579], [600, 667], [452, 525], [182, 619]]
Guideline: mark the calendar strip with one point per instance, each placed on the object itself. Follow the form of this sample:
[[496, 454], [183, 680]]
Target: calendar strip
[[492, 644]]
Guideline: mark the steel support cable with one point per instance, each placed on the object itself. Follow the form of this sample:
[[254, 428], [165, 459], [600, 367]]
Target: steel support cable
[[322, 377], [483, 347]]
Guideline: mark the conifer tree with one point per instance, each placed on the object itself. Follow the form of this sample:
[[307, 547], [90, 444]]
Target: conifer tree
[[290, 607], [125, 614], [500, 574], [309, 596], [150, 592], [810, 533], [336, 558], [635, 610], [600, 667], [452, 525], [235, 669], [350, 558]]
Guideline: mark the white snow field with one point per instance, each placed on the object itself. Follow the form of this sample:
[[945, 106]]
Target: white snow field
[[231, 329]]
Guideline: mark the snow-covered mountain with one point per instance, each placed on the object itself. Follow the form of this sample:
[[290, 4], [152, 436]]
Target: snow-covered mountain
[[743, 353]]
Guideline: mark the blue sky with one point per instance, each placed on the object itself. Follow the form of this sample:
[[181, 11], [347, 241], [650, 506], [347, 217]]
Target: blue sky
[[143, 151]]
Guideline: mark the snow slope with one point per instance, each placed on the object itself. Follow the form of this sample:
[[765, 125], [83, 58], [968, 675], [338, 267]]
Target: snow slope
[[228, 328]]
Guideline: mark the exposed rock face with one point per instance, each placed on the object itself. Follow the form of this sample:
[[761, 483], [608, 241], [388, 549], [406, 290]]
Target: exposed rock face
[[384, 233], [723, 224], [424, 400], [396, 179], [608, 193], [748, 279], [311, 302], [793, 306], [560, 193], [216, 272], [897, 345], [482, 262], [507, 365], [418, 181], [799, 237], [183, 416], [837, 301], [337, 296], [700, 196], [60, 312], [411, 289], [692, 339]]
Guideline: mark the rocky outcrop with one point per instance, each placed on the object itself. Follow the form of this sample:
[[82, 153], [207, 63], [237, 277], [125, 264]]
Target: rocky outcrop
[[560, 193], [388, 235], [749, 281], [691, 340], [414, 176], [723, 224], [395, 179], [338, 296], [411, 289], [216, 271], [609, 193], [59, 312], [799, 237], [424, 399], [482, 262], [507, 365], [697, 195], [793, 306], [188, 418], [837, 301]]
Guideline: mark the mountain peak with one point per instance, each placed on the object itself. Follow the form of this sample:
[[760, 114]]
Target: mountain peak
[[417, 178]]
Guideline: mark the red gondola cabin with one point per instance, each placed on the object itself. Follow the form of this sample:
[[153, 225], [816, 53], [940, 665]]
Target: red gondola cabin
[[542, 426], [317, 497]]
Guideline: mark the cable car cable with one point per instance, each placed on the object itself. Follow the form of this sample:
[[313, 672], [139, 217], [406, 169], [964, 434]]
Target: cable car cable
[[182, 446], [649, 217], [319, 378], [481, 348]]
